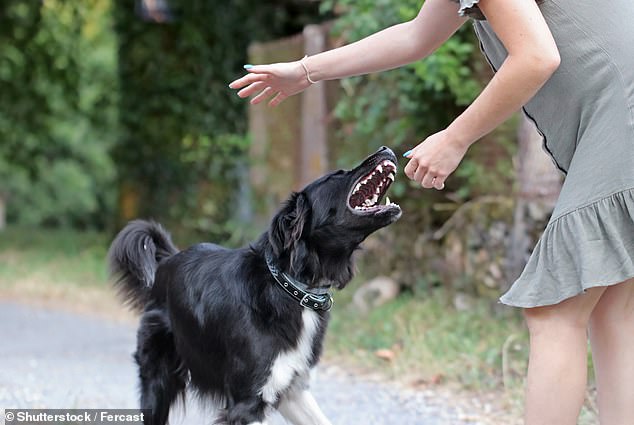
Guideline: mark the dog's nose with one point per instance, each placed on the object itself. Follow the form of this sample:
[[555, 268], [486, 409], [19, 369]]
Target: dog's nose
[[384, 149]]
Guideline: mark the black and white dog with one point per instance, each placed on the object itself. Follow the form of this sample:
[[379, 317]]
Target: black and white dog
[[244, 327]]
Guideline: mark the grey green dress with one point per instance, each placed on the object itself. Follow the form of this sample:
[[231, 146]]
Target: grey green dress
[[586, 114]]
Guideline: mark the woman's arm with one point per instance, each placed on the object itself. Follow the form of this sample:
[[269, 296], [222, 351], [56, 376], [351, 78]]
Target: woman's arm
[[387, 49], [532, 58], [393, 47]]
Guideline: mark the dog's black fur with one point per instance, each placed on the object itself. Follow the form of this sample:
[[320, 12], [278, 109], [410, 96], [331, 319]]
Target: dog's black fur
[[217, 315]]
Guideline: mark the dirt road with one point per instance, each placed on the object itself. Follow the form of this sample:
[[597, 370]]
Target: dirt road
[[55, 359]]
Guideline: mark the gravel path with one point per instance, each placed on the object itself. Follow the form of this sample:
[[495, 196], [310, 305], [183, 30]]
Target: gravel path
[[56, 359]]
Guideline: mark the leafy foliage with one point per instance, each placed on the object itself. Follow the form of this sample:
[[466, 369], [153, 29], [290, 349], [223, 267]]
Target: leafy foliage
[[408, 102], [400, 108], [57, 99], [405, 105], [178, 147]]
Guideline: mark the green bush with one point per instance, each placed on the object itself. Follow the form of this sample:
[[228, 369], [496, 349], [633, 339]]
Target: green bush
[[408, 103], [180, 153], [400, 108], [57, 72]]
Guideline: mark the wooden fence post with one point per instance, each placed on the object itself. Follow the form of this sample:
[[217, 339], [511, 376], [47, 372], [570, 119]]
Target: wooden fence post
[[289, 144], [314, 142], [275, 134]]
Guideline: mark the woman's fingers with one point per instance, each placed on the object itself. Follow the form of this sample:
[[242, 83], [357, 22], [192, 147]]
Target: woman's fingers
[[431, 180], [278, 99], [264, 94], [428, 181], [438, 183], [248, 79], [252, 89], [254, 83], [420, 174], [258, 69], [278, 81], [411, 167]]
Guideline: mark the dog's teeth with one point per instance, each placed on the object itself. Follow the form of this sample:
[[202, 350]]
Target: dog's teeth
[[379, 168], [392, 176], [387, 200]]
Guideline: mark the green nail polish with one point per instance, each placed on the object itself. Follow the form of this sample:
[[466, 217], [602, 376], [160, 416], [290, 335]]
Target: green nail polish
[[248, 66]]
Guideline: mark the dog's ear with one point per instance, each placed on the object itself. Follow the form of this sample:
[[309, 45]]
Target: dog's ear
[[289, 224]]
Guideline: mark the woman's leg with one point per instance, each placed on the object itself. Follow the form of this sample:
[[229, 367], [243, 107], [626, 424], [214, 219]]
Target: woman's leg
[[612, 339], [557, 366]]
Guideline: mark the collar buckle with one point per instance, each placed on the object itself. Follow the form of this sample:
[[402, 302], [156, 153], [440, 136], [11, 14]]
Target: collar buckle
[[317, 302]]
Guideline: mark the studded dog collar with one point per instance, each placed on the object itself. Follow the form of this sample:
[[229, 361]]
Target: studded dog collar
[[298, 290]]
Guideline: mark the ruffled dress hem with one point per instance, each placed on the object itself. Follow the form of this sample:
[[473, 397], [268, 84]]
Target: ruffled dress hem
[[581, 249]]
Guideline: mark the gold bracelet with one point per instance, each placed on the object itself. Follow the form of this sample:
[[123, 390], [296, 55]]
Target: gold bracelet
[[310, 80]]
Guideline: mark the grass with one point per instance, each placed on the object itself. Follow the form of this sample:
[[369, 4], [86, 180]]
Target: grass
[[65, 257], [58, 267], [432, 342], [431, 345], [482, 350], [434, 346]]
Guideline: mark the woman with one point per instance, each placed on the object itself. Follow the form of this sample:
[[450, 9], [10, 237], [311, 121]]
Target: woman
[[569, 64]]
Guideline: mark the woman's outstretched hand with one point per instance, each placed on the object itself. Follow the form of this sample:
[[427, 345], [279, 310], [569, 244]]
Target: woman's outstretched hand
[[434, 159], [279, 80]]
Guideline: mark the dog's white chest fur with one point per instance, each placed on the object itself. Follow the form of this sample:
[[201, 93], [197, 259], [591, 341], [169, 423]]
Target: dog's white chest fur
[[294, 362]]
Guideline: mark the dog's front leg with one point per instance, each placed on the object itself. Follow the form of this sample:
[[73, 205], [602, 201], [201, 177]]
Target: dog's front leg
[[300, 407]]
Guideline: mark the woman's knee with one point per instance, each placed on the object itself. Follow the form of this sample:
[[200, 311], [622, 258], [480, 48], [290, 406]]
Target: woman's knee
[[572, 314]]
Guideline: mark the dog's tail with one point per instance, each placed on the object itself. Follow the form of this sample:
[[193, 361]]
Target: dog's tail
[[134, 256]]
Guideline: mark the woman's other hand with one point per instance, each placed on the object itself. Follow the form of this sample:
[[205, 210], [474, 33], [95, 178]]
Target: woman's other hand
[[279, 80], [434, 159]]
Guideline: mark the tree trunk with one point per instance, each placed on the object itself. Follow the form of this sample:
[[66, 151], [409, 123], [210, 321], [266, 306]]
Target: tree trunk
[[3, 212], [539, 184]]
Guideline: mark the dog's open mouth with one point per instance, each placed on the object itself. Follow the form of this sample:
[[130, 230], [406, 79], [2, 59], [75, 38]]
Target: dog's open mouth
[[370, 189]]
